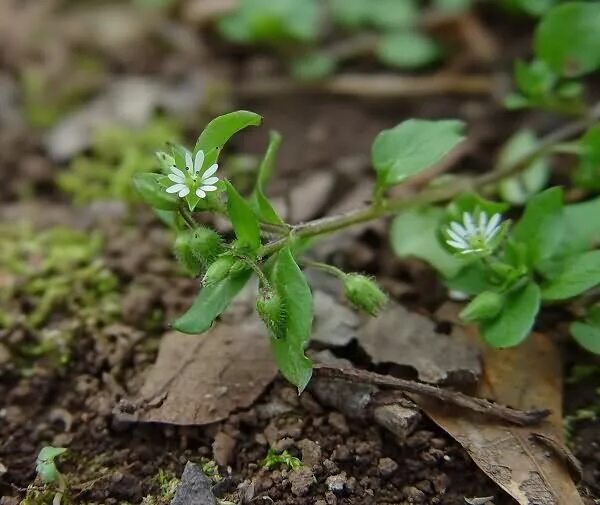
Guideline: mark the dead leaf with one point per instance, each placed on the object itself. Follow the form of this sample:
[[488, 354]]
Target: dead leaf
[[408, 338], [201, 379], [525, 377]]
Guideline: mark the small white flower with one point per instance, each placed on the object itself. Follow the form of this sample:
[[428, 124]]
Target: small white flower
[[186, 183], [471, 237]]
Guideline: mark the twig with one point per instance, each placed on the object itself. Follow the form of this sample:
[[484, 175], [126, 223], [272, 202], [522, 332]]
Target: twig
[[375, 86], [479, 405]]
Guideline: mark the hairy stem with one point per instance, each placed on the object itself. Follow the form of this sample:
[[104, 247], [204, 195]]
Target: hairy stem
[[444, 193]]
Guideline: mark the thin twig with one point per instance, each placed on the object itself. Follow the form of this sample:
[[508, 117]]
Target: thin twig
[[479, 405]]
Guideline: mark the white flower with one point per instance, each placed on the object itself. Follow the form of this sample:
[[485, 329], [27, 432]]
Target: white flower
[[470, 237], [185, 183]]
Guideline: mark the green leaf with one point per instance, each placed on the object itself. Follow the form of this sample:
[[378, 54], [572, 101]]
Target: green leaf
[[383, 14], [486, 305], [245, 224], [407, 49], [518, 189], [516, 320], [220, 130], [588, 172], [587, 334], [535, 80], [292, 287], [580, 273], [45, 466], [260, 202], [472, 279], [313, 66], [268, 21], [414, 233], [542, 226], [153, 192], [582, 227], [473, 204], [210, 303], [567, 38], [413, 146]]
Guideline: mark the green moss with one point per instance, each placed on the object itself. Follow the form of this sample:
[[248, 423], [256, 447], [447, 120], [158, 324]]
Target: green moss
[[167, 482], [274, 459], [117, 154], [54, 282]]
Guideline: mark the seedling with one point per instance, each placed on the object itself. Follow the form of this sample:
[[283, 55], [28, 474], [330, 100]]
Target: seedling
[[274, 459], [506, 269]]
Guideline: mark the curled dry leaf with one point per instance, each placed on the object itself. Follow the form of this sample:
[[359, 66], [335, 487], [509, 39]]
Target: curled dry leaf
[[524, 377]]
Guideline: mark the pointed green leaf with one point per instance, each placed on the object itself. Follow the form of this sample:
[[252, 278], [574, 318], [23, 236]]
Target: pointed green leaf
[[220, 130], [294, 290], [413, 146], [245, 224], [587, 333], [210, 303], [516, 320], [153, 192], [260, 202]]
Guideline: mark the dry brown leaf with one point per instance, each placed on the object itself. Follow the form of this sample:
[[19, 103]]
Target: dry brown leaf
[[408, 338], [524, 377], [201, 379]]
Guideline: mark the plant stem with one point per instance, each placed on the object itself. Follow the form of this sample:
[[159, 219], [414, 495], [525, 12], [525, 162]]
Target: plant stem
[[434, 195], [330, 269], [187, 217]]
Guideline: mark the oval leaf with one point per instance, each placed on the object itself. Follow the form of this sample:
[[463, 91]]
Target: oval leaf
[[580, 273], [567, 38], [294, 290], [210, 303], [515, 321], [587, 336], [413, 146]]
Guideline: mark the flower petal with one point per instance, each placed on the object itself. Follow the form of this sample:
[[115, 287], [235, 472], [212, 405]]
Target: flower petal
[[210, 180], [198, 161], [456, 237], [208, 188], [210, 171], [184, 192], [176, 171], [483, 219], [494, 221], [176, 178], [189, 162], [469, 224], [456, 245], [458, 229], [200, 193], [175, 188]]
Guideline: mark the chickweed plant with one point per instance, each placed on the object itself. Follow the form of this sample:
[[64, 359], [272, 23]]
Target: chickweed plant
[[506, 268]]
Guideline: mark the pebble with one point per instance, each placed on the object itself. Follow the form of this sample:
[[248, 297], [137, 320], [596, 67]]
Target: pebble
[[311, 452], [223, 447], [337, 483], [301, 480], [330, 466], [387, 466], [414, 495]]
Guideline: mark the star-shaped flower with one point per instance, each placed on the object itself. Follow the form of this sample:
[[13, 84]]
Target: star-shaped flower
[[471, 237], [193, 181]]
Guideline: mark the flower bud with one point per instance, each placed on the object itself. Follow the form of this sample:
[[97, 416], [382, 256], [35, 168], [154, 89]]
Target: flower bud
[[185, 256], [206, 244], [271, 309], [364, 293], [486, 305], [218, 270]]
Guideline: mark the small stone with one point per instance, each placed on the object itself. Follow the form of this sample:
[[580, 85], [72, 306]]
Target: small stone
[[3, 469], [424, 486], [311, 452], [223, 447], [414, 495], [194, 488], [308, 402], [330, 498], [301, 480], [320, 502], [62, 439], [338, 422], [330, 466], [289, 396], [387, 466], [283, 444], [399, 420], [337, 483], [341, 453]]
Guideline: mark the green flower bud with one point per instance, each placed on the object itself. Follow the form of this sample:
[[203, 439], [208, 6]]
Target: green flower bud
[[364, 293], [271, 309], [218, 270], [486, 305], [238, 267], [185, 256]]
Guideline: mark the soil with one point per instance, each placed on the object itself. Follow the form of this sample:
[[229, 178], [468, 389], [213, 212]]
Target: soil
[[326, 139]]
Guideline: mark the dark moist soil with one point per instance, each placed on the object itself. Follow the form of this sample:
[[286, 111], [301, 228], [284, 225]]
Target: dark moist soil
[[111, 462]]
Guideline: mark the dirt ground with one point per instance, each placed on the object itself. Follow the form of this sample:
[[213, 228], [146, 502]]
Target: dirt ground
[[324, 163]]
